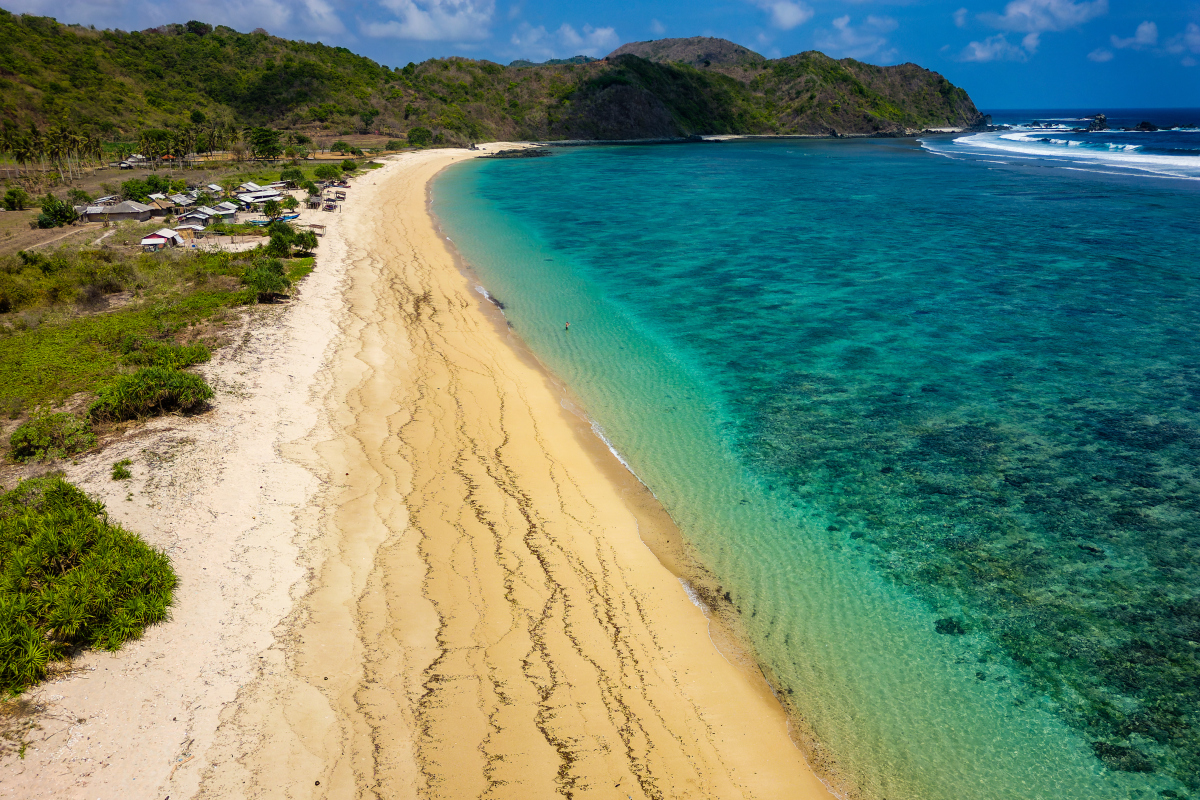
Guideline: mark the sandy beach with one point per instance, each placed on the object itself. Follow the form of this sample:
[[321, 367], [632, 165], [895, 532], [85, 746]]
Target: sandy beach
[[406, 571]]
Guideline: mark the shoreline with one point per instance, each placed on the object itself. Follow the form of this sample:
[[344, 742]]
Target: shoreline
[[405, 570], [659, 532]]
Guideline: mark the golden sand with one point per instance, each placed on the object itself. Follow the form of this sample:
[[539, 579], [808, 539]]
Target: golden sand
[[459, 604]]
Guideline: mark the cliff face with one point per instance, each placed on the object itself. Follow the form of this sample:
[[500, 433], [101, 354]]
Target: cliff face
[[811, 93]]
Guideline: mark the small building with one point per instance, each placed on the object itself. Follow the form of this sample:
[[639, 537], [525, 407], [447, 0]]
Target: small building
[[161, 207], [250, 186], [212, 187], [127, 210], [254, 199], [163, 237], [182, 200]]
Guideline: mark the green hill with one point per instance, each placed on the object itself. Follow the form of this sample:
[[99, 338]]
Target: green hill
[[116, 83]]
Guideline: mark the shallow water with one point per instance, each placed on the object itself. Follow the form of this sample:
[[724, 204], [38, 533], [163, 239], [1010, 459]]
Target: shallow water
[[934, 424]]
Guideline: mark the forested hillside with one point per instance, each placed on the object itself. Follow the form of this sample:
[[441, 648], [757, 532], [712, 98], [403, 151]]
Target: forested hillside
[[114, 84]]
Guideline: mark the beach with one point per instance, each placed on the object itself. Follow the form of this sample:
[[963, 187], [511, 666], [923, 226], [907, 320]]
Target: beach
[[407, 570]]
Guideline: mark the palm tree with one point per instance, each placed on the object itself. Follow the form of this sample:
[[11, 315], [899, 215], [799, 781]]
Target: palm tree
[[8, 142]]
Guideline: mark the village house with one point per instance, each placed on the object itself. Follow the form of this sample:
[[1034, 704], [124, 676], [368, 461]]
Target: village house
[[161, 238], [127, 210]]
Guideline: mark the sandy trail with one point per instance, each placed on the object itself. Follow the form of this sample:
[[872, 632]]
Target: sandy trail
[[440, 591]]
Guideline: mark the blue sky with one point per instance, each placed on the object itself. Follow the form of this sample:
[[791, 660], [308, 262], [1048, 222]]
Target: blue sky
[[1006, 53]]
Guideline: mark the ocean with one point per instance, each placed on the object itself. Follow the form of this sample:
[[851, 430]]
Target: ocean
[[928, 409]]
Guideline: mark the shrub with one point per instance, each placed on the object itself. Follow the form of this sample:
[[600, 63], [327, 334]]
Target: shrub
[[420, 137], [395, 144], [339, 146], [69, 577], [16, 199], [46, 435], [327, 172], [120, 470], [137, 351], [79, 197], [305, 241], [349, 165], [150, 391], [293, 175], [267, 278], [55, 213]]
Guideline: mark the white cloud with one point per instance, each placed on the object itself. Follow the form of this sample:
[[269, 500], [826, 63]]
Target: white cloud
[[865, 41], [308, 18], [657, 28], [1145, 36], [320, 16], [785, 14], [435, 20], [993, 48], [960, 17], [1100, 55], [1186, 42], [538, 43], [1035, 16]]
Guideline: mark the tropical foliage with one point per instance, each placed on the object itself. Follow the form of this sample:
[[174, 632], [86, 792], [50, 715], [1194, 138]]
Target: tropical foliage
[[176, 90], [69, 577]]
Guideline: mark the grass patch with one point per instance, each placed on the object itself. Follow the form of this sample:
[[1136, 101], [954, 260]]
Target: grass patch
[[300, 268], [48, 435], [150, 391], [120, 470], [139, 351], [50, 362], [69, 577]]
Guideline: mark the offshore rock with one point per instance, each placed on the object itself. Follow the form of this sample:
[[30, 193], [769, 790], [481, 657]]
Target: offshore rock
[[1098, 123]]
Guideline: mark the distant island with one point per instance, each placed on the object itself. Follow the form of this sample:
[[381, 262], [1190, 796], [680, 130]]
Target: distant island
[[194, 76]]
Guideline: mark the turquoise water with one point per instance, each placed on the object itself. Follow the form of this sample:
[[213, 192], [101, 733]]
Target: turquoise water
[[933, 423]]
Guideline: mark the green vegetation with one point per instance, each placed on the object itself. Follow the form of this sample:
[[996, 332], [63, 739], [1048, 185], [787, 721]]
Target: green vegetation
[[420, 137], [267, 278], [120, 470], [142, 352], [55, 213], [183, 89], [47, 435], [48, 351], [69, 577], [16, 199], [148, 392]]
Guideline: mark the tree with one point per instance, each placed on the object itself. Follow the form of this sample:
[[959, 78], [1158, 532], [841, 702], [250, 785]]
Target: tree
[[290, 203], [293, 175], [306, 241], [339, 146], [394, 144], [267, 278], [327, 172], [420, 137], [272, 209], [349, 165], [228, 184], [16, 199], [311, 188], [55, 213], [264, 143]]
